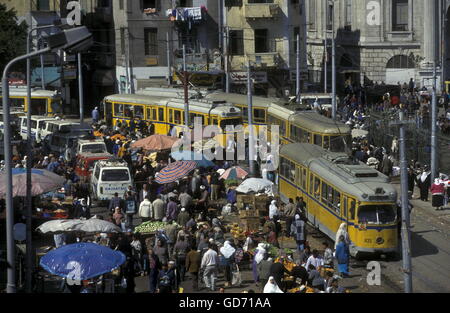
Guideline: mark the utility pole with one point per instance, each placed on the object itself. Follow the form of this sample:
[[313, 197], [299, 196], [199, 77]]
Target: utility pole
[[333, 102], [127, 63], [42, 68], [298, 70], [227, 74], [406, 238], [169, 72], [251, 144], [325, 62], [226, 37], [80, 88], [186, 91], [434, 109]]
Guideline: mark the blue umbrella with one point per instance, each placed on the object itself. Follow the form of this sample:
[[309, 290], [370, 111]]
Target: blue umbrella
[[201, 160], [81, 261]]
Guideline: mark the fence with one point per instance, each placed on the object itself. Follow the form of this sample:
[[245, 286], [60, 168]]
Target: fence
[[418, 138]]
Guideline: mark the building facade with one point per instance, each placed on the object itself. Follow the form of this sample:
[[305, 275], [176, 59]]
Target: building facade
[[150, 36], [60, 71], [377, 41], [263, 32]]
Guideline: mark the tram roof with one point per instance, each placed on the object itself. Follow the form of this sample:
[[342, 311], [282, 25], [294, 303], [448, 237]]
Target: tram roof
[[20, 91], [339, 169], [318, 123], [135, 98], [238, 99]]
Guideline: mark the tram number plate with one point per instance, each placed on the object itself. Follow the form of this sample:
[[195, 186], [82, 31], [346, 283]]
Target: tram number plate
[[368, 240]]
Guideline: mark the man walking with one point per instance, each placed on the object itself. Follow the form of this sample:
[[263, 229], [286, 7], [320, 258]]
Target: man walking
[[193, 260], [289, 212], [209, 265], [95, 115]]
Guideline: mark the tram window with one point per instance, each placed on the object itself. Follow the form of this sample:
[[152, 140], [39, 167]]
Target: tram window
[[337, 144], [311, 184], [298, 176], [139, 111], [118, 109], [161, 114], [16, 102], [33, 124], [345, 206], [170, 116], [177, 118], [337, 201], [192, 117], [259, 115], [214, 121], [245, 113], [149, 114], [326, 142], [324, 192], [108, 109], [38, 106], [318, 140], [316, 188], [352, 209], [304, 179], [128, 111], [154, 115]]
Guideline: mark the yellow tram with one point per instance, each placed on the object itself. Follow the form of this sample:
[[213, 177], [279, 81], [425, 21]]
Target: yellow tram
[[303, 126], [337, 189], [164, 113], [43, 102]]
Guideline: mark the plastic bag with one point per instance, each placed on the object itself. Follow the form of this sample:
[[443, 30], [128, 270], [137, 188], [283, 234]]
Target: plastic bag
[[236, 277]]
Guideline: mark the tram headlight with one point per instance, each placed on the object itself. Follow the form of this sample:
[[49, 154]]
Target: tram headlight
[[380, 241], [365, 195]]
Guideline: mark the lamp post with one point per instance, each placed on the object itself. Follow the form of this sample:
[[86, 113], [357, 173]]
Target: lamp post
[[72, 39], [29, 245], [333, 73]]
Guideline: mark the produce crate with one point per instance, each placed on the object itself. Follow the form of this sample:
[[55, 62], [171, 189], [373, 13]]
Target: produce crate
[[243, 200], [250, 223], [248, 213], [261, 203]]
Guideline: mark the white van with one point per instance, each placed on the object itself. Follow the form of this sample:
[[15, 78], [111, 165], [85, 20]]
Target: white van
[[37, 123], [91, 145], [109, 177], [56, 126]]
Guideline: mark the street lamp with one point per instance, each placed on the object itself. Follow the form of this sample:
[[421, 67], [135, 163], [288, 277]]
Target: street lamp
[[29, 164], [333, 73], [71, 40]]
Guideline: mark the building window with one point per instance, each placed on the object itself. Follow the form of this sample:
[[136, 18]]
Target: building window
[[122, 40], [121, 4], [312, 14], [348, 15], [261, 41], [151, 41], [401, 61], [236, 42], [43, 5], [294, 2], [400, 15]]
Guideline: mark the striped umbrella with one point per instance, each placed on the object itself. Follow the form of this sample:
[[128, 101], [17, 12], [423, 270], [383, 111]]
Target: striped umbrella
[[175, 171], [235, 172]]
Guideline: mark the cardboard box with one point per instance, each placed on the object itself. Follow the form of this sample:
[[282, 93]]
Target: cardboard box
[[250, 223], [249, 213]]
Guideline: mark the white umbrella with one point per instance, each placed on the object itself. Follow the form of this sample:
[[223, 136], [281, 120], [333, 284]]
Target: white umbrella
[[58, 226], [256, 185], [95, 225]]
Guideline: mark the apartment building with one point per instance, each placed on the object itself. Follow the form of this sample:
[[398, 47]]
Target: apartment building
[[377, 41], [150, 37], [264, 32]]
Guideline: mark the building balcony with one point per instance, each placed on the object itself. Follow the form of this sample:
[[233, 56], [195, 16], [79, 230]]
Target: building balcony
[[261, 10], [104, 14], [264, 60]]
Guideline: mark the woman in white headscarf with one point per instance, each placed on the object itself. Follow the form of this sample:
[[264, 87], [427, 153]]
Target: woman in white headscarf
[[228, 251], [273, 209], [259, 256], [271, 286], [342, 231]]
